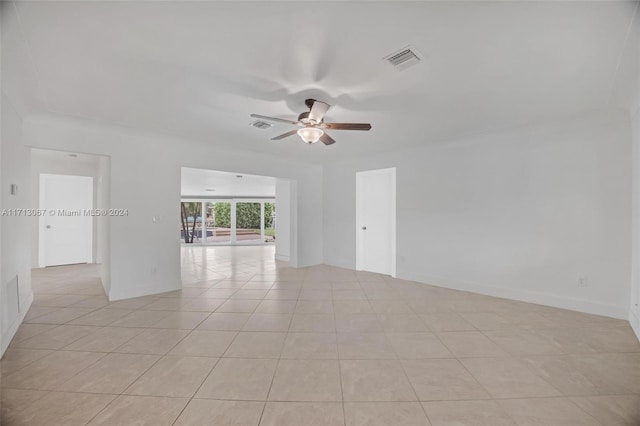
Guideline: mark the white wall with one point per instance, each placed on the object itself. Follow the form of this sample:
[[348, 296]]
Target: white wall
[[103, 255], [520, 214], [15, 250], [3, 308], [634, 308], [283, 220], [632, 57], [626, 93], [145, 179], [18, 95]]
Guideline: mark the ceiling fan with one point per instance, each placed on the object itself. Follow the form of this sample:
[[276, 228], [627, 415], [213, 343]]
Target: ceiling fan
[[312, 125]]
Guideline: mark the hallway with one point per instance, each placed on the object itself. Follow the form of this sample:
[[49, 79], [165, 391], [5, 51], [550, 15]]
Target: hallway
[[248, 341]]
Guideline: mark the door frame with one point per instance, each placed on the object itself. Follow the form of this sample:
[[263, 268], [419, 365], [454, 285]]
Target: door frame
[[360, 176]]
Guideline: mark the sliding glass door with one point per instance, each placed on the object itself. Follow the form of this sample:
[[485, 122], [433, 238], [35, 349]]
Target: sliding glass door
[[269, 217], [190, 221], [225, 222], [220, 222], [248, 223]]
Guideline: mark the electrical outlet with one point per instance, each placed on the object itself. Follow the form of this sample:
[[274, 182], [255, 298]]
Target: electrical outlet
[[583, 282]]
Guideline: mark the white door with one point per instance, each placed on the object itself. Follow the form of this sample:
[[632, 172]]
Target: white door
[[376, 221], [66, 230]]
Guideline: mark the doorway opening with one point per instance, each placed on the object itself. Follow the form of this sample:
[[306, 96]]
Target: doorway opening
[[72, 193], [229, 219], [376, 221], [222, 208]]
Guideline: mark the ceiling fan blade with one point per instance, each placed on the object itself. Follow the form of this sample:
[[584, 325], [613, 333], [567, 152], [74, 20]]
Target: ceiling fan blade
[[327, 140], [318, 110], [347, 126], [279, 120], [284, 135]]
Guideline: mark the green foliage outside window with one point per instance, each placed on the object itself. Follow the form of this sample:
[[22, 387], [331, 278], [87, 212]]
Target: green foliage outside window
[[222, 214], [247, 215]]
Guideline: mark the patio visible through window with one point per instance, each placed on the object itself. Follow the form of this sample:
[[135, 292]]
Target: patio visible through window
[[227, 222]]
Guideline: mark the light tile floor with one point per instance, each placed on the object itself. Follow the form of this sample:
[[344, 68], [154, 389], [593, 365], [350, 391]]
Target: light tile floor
[[248, 341]]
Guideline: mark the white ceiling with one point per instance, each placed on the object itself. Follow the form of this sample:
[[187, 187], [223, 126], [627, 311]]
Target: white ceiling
[[198, 69], [195, 182]]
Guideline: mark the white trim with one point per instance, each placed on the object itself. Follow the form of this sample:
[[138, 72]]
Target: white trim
[[41, 226], [227, 200], [634, 320], [11, 332], [358, 224], [293, 224], [563, 302], [282, 258], [262, 221], [233, 232], [143, 291], [394, 224], [203, 224]]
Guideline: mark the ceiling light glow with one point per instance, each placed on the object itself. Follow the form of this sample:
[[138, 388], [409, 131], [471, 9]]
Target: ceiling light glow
[[310, 134]]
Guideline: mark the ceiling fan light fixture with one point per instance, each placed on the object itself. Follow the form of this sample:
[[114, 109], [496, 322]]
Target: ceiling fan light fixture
[[310, 134], [311, 124]]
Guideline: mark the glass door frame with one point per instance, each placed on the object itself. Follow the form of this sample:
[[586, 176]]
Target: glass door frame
[[233, 241]]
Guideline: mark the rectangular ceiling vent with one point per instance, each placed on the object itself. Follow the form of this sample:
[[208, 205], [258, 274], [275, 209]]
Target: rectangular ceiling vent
[[403, 58], [260, 124]]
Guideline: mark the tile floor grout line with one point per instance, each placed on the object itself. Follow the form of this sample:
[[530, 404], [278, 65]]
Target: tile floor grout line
[[214, 366], [517, 359], [524, 398], [335, 324], [311, 284], [264, 407], [196, 391], [406, 375]]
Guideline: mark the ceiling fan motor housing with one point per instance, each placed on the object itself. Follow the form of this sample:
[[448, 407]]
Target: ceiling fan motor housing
[[304, 118], [312, 125]]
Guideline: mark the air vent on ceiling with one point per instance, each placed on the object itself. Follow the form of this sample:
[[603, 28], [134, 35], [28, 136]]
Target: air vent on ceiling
[[403, 58], [260, 124]]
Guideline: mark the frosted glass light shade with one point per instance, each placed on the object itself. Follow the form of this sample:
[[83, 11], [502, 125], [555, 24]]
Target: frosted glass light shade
[[310, 134]]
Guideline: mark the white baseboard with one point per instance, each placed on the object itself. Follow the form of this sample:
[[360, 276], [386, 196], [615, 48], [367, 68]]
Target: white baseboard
[[340, 264], [13, 329], [105, 273], [144, 291], [106, 287], [563, 302], [282, 257], [634, 320]]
